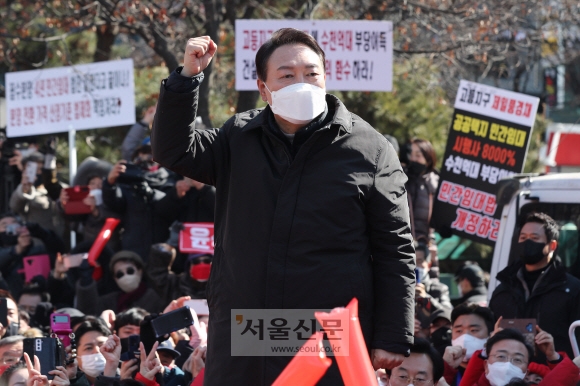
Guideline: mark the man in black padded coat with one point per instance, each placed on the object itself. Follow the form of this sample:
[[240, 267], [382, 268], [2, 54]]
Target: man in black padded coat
[[311, 209]]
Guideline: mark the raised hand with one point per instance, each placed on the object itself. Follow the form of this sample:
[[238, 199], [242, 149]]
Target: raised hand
[[545, 343], [35, 378], [111, 350], [454, 355], [198, 54], [150, 364]]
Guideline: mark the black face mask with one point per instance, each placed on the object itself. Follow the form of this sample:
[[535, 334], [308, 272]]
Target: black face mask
[[531, 252], [415, 168], [7, 240]]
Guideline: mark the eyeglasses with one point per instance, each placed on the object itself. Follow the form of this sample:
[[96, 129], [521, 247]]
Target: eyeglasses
[[517, 360], [120, 274], [404, 380]]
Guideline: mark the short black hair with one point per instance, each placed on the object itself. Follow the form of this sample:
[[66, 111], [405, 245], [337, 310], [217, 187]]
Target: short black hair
[[91, 324], [421, 245], [133, 316], [475, 309], [511, 334], [423, 346], [282, 37], [550, 226]]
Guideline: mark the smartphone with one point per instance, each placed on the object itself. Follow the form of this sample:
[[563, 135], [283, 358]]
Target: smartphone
[[129, 347], [198, 305], [75, 204], [60, 326], [172, 321], [49, 351], [526, 326], [71, 261], [417, 277], [38, 265], [30, 171], [4, 312], [13, 229]]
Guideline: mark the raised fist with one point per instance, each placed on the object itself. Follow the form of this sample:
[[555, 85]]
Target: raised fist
[[198, 54]]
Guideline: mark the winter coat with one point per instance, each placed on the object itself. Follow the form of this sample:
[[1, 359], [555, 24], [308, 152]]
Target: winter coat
[[420, 194], [135, 205], [90, 303], [169, 285], [553, 302], [37, 207], [310, 229], [437, 292], [195, 206]]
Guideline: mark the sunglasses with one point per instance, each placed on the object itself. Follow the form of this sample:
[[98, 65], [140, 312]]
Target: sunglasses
[[120, 274], [206, 261]]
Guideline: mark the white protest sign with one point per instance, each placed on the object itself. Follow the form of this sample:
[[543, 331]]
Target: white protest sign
[[359, 54], [60, 99], [497, 103]]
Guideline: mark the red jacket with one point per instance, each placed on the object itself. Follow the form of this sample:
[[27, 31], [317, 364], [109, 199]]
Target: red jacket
[[565, 373]]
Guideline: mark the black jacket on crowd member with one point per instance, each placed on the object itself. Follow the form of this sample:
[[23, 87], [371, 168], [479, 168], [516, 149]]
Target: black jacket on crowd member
[[195, 206], [553, 302], [309, 224], [438, 293], [135, 204], [168, 284], [420, 190]]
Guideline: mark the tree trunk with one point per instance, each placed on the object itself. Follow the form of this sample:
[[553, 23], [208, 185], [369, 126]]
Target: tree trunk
[[212, 24], [247, 100], [105, 39]]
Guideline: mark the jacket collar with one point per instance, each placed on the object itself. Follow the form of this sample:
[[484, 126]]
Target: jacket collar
[[554, 272], [259, 118]]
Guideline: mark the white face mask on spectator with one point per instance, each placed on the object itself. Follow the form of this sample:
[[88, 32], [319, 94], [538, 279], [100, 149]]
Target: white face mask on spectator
[[93, 364], [501, 373], [129, 280], [470, 343]]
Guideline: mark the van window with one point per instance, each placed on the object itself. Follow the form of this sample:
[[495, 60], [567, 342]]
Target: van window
[[568, 218]]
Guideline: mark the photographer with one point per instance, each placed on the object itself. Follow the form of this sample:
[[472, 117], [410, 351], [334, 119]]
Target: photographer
[[132, 191], [10, 169], [33, 200], [18, 241]]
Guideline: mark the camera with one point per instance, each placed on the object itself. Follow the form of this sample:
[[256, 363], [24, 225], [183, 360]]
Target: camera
[[50, 353], [172, 321], [60, 326], [133, 175]]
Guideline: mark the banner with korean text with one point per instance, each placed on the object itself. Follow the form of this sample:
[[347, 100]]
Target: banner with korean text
[[359, 54], [55, 100], [488, 140]]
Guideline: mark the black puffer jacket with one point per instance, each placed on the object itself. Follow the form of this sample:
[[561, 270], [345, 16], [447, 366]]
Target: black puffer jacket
[[554, 302], [420, 192], [309, 230]]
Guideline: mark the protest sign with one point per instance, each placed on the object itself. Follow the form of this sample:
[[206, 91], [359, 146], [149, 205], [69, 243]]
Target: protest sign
[[196, 237], [488, 140], [359, 54], [55, 100]]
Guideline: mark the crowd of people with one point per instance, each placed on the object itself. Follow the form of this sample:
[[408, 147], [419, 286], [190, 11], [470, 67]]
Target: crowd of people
[[458, 342]]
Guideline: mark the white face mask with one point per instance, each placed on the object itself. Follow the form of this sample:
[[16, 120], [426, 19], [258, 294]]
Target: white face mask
[[129, 283], [298, 103], [501, 373], [459, 290], [93, 364], [470, 343], [98, 195]]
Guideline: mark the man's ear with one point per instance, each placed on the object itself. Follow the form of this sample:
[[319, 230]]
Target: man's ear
[[262, 90], [553, 245]]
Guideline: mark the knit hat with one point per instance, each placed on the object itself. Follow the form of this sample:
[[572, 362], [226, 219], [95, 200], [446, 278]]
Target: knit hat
[[126, 256]]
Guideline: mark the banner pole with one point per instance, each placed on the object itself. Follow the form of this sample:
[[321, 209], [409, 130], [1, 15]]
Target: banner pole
[[72, 170]]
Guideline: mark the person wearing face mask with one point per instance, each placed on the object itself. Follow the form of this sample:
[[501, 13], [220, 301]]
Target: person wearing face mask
[[127, 269], [470, 281], [536, 284], [88, 225], [470, 328], [131, 192], [421, 186], [507, 361], [169, 285], [311, 206]]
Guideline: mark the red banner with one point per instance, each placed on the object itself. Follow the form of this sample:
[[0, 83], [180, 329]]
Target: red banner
[[196, 237]]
